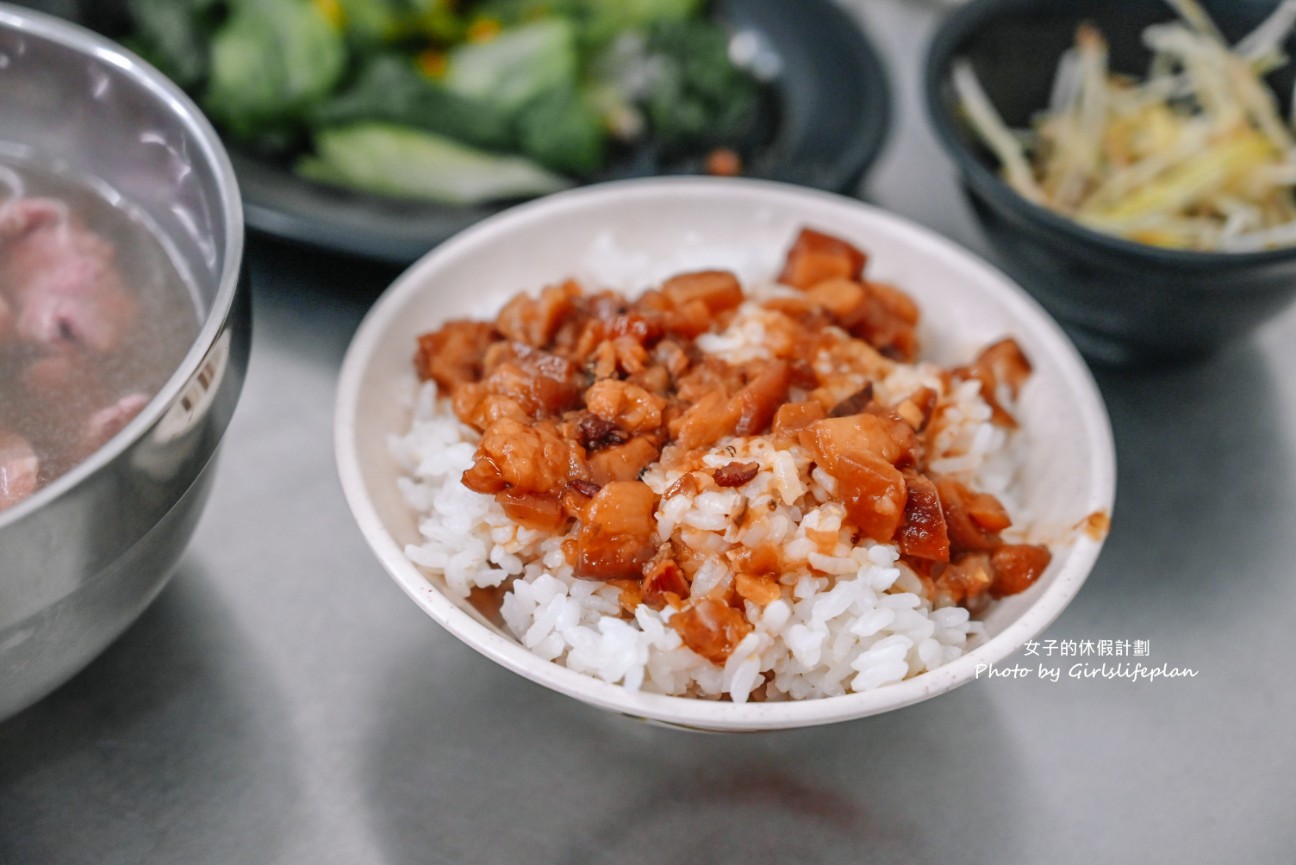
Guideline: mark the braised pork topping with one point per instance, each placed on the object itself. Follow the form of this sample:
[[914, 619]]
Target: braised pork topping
[[575, 394]]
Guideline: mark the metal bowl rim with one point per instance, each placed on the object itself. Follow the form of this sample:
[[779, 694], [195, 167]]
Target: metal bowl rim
[[211, 152]]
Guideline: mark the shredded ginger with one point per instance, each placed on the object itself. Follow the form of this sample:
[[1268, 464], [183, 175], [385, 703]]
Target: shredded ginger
[[1194, 156]]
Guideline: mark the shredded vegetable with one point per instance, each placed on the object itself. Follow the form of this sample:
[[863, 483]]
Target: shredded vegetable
[[1195, 155]]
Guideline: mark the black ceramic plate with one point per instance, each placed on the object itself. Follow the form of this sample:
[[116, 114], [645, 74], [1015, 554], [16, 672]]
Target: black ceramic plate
[[827, 113]]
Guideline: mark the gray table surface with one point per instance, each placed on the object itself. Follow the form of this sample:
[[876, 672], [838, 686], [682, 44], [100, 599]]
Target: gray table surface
[[283, 702]]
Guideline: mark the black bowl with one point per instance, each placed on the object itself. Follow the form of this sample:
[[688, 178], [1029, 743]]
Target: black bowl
[[1122, 302]]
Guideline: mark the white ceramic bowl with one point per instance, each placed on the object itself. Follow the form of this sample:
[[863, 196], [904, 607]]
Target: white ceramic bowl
[[1070, 470]]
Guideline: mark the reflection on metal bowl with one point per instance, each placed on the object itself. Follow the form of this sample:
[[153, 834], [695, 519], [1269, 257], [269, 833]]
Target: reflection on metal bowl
[[82, 558]]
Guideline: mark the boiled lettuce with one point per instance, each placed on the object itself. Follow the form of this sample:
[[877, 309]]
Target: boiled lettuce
[[516, 66], [606, 18], [270, 62], [390, 88], [562, 131], [698, 97], [173, 36], [407, 163]]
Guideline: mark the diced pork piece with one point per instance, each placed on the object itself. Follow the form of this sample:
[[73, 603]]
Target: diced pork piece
[[1017, 567], [916, 409], [718, 290], [793, 416], [761, 589], [576, 497], [689, 319], [761, 560], [706, 422], [894, 301], [664, 577], [707, 376], [522, 458], [882, 434], [453, 355], [540, 511], [923, 533], [595, 433], [887, 321], [1001, 363], [623, 462], [760, 398], [19, 469], [479, 408], [62, 280], [856, 403], [711, 628], [544, 384], [671, 355], [642, 326], [799, 308], [627, 405], [616, 536], [965, 579], [654, 379], [974, 519], [1008, 362], [860, 454], [534, 321], [842, 298], [816, 257], [735, 474]]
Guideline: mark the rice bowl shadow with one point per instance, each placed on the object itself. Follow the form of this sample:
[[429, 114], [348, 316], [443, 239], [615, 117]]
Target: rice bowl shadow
[[1181, 431], [581, 785]]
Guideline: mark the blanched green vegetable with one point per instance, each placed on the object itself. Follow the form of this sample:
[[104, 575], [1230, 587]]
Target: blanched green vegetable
[[597, 20], [390, 88], [405, 163], [563, 85], [698, 97], [606, 18], [379, 22], [562, 131], [173, 36], [271, 61], [517, 65], [373, 22], [512, 12]]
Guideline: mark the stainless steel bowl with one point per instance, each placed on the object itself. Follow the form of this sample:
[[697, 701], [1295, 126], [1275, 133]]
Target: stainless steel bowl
[[81, 559]]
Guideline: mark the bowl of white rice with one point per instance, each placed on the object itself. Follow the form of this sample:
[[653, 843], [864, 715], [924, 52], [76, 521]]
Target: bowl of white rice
[[846, 628]]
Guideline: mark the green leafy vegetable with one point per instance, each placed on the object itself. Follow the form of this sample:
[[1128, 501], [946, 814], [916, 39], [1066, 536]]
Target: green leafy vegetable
[[698, 97], [374, 23], [173, 36], [405, 163], [606, 18], [562, 131], [558, 85], [390, 88], [271, 61], [510, 13], [517, 65]]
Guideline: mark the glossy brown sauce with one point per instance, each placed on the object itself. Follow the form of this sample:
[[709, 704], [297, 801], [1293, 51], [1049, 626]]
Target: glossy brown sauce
[[576, 393]]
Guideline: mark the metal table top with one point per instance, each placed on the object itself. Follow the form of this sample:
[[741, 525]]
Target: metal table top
[[283, 702]]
